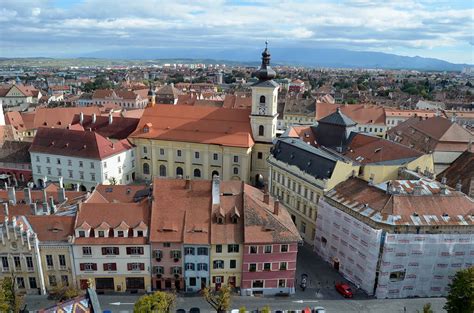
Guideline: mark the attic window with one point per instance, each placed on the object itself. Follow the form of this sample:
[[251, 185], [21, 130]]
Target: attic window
[[220, 220], [146, 129], [227, 194], [378, 150], [234, 219], [44, 123], [128, 191]]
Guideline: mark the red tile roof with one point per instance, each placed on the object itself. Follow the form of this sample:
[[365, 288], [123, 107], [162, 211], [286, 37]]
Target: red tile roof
[[360, 113], [82, 144], [461, 170], [120, 128], [59, 117], [208, 125], [51, 227]]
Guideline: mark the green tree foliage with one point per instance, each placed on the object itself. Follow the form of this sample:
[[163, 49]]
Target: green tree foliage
[[99, 83], [62, 293], [10, 300], [266, 309], [461, 292], [426, 308], [158, 302], [219, 300]]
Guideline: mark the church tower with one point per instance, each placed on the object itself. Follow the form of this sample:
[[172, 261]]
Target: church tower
[[264, 102], [151, 96]]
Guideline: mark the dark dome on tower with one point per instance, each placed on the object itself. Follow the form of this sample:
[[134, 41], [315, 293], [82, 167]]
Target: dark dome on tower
[[265, 72]]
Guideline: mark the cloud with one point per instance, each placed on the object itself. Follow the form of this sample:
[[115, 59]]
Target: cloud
[[90, 25]]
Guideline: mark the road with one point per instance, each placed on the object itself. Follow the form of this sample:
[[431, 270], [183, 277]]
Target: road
[[320, 292]]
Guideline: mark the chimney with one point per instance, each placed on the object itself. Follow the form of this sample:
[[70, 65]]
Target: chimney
[[276, 207], [11, 195], [459, 185], [27, 193], [94, 118], [52, 205], [187, 184], [62, 195], [266, 198], [111, 118], [5, 208], [216, 190], [81, 118]]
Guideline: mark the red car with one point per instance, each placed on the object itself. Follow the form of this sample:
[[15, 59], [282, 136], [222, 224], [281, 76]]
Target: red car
[[344, 290]]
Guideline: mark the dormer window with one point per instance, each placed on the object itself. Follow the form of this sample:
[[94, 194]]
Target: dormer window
[[220, 220], [139, 233], [100, 233], [120, 233], [234, 219], [81, 233]]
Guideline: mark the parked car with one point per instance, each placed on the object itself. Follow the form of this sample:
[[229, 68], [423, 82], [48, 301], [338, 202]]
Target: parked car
[[180, 311], [344, 290], [194, 310], [318, 309]]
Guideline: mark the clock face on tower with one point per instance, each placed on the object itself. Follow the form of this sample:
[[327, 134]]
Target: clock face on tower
[[261, 109]]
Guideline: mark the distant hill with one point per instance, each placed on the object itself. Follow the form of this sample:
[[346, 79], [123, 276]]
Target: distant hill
[[331, 58]]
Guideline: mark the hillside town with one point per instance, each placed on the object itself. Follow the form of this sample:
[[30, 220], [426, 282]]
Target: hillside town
[[180, 177]]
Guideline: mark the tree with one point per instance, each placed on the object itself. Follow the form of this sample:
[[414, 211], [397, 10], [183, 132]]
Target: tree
[[426, 308], [10, 300], [219, 300], [461, 292], [113, 181], [62, 293], [266, 309], [158, 302]]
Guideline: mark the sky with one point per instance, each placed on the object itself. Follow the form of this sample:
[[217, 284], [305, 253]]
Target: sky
[[442, 29]]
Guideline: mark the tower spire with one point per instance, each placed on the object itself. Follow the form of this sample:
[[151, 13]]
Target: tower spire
[[265, 72]]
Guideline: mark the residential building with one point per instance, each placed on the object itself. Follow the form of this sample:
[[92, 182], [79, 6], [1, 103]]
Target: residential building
[[443, 138], [199, 231], [397, 239], [130, 99], [15, 162], [83, 158], [270, 246], [394, 116], [54, 235], [195, 142], [111, 246], [167, 94], [19, 95]]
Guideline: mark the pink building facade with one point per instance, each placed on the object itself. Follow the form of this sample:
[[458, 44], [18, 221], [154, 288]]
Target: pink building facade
[[269, 268], [166, 263]]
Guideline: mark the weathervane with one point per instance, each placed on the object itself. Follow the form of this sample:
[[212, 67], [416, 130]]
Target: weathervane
[[266, 44]]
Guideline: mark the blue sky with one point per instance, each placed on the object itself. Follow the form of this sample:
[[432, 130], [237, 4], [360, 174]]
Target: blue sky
[[429, 28]]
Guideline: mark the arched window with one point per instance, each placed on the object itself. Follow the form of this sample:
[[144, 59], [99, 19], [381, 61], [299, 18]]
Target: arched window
[[197, 172], [215, 173], [162, 171], [261, 130], [179, 171], [262, 99], [146, 168]]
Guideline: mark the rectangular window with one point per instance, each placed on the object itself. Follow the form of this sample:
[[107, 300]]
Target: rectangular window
[[20, 282], [52, 280], [218, 248], [232, 248], [134, 250], [32, 281], [49, 261], [257, 284], [58, 161], [48, 160], [178, 153], [268, 249], [283, 266], [118, 159], [82, 233], [202, 251], [192, 281], [29, 263], [145, 150], [303, 227], [38, 169], [69, 162], [101, 233], [69, 173], [93, 176], [37, 158], [17, 261], [215, 157], [105, 164], [202, 267], [5, 263], [88, 266], [175, 254], [236, 159], [259, 155], [62, 260], [136, 266], [139, 233], [196, 155], [284, 248], [189, 266], [86, 251], [267, 266], [64, 280], [120, 233], [253, 249], [59, 172], [166, 244], [81, 164], [110, 251], [281, 283], [233, 264], [188, 251], [48, 170], [252, 267], [218, 264], [92, 164], [81, 175], [162, 151]]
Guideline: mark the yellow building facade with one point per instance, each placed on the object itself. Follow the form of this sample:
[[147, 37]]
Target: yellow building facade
[[57, 265], [226, 265]]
